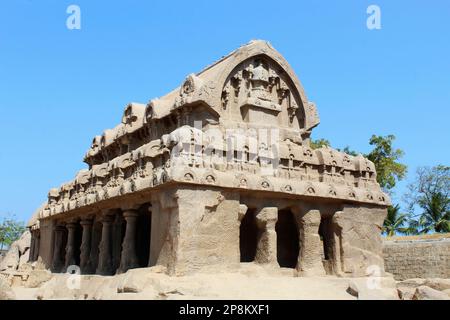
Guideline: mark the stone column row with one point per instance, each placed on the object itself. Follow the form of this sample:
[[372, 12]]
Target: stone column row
[[309, 255], [88, 253]]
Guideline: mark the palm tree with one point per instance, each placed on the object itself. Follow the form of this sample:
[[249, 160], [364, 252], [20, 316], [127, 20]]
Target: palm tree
[[395, 222], [436, 213], [429, 196]]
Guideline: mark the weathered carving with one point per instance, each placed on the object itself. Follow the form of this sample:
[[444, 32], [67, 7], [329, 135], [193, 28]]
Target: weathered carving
[[199, 177]]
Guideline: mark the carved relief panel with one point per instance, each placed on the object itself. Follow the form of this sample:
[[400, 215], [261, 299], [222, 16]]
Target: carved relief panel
[[259, 91]]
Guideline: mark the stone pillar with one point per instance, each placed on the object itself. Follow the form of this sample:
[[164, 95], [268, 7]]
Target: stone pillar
[[32, 245], [85, 264], [309, 258], [105, 255], [95, 244], [58, 248], [46, 242], [129, 258], [159, 229], [117, 239], [266, 251], [71, 246]]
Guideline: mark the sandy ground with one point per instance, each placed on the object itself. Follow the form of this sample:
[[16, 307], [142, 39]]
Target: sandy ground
[[147, 284], [216, 287], [25, 293]]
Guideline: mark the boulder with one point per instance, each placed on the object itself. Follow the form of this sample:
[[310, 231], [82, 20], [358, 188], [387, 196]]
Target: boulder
[[407, 289], [427, 293], [373, 288], [6, 293], [411, 283], [23, 261], [11, 259], [438, 283], [353, 289], [38, 265], [24, 242], [406, 293], [37, 277]]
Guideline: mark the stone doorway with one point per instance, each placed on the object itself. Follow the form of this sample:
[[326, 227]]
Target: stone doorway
[[248, 236], [287, 239], [327, 237], [143, 235]]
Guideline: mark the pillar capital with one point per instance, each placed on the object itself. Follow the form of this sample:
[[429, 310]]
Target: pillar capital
[[107, 216], [60, 227], [129, 206], [242, 211], [267, 215], [129, 213], [310, 218], [87, 220], [72, 223]]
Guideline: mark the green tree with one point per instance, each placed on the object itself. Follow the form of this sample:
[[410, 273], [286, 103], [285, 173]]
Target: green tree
[[10, 231], [395, 222], [428, 199], [319, 143], [385, 157], [349, 151]]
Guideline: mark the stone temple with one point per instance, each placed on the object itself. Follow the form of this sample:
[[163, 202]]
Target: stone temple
[[217, 173]]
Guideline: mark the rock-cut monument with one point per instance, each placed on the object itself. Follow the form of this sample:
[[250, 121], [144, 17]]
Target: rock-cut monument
[[215, 174]]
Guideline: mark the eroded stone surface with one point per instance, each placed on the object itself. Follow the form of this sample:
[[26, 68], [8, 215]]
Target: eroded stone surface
[[427, 293], [409, 289], [6, 293], [145, 284]]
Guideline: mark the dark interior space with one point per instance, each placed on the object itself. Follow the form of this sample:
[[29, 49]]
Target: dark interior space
[[287, 239], [119, 227], [95, 242], [143, 235], [248, 236], [77, 243], [327, 237]]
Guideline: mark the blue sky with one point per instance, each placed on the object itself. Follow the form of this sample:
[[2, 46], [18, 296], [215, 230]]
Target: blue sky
[[60, 87]]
